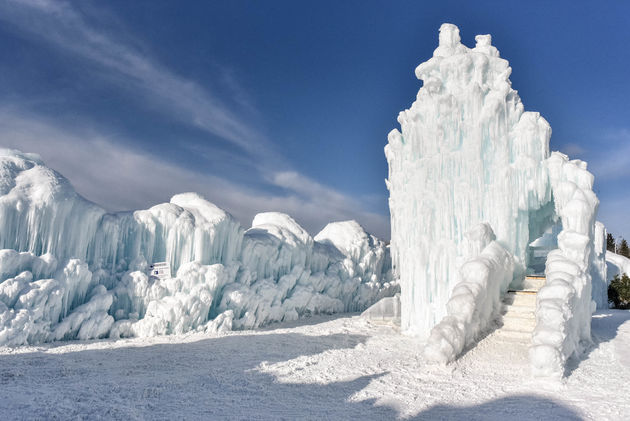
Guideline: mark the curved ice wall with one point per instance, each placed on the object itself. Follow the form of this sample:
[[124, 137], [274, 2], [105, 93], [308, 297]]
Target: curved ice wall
[[467, 153], [70, 270]]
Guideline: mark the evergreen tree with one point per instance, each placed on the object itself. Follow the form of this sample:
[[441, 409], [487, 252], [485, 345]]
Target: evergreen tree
[[619, 292], [610, 242], [623, 248]]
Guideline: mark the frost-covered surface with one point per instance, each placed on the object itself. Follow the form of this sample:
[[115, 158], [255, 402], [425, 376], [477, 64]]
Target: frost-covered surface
[[468, 153], [69, 270], [564, 304], [323, 368], [475, 301]]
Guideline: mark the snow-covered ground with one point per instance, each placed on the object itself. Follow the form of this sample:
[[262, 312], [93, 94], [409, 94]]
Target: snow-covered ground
[[325, 367]]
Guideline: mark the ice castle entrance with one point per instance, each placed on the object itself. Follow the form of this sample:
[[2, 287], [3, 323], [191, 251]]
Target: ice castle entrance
[[538, 250]]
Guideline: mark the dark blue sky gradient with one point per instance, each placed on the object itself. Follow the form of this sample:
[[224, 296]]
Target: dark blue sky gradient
[[321, 84]]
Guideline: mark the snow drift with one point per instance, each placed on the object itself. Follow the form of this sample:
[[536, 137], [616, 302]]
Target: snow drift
[[70, 270]]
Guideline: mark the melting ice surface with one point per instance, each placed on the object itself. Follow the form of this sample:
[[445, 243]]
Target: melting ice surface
[[68, 269]]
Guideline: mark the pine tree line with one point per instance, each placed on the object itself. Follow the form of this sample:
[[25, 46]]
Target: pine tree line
[[619, 246]]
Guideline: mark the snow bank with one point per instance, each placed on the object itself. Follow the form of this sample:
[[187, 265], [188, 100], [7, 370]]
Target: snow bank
[[468, 153], [616, 265], [475, 301], [564, 304], [70, 270]]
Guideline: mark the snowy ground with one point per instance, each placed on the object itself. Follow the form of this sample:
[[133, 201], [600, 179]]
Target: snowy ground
[[321, 368]]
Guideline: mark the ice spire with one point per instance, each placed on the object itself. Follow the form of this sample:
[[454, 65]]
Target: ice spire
[[467, 154]]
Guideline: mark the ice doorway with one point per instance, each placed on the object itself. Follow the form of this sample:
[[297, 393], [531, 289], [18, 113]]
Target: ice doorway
[[538, 250]]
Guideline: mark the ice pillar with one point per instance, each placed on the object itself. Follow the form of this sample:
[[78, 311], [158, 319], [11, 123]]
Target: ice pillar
[[466, 153]]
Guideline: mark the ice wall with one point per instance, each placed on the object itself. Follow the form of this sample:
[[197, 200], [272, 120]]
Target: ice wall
[[467, 153], [40, 211], [564, 305], [69, 270]]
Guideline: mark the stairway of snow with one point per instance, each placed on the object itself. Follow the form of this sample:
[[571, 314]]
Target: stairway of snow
[[518, 314]]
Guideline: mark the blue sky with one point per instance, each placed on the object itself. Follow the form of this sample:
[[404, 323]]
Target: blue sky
[[284, 105]]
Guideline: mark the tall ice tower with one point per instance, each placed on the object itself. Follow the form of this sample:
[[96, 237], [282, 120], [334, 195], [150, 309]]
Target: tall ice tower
[[467, 154]]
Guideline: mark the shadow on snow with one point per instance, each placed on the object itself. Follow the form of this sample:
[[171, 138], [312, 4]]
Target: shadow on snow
[[520, 407], [215, 378], [604, 327]]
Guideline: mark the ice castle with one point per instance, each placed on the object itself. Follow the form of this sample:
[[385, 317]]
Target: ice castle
[[473, 187]]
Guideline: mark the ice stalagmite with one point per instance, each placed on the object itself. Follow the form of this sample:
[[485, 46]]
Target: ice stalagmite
[[467, 154]]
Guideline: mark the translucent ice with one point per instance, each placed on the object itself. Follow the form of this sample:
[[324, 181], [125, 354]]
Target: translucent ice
[[69, 270], [469, 161], [467, 154]]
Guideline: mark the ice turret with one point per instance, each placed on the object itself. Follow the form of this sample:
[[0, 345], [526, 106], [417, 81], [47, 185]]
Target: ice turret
[[467, 154], [470, 162]]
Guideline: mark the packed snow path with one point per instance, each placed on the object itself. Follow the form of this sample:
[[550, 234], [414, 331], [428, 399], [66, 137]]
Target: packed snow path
[[318, 368]]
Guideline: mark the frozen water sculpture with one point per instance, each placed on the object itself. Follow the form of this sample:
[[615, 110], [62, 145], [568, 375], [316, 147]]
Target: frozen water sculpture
[[70, 270], [467, 154], [471, 178]]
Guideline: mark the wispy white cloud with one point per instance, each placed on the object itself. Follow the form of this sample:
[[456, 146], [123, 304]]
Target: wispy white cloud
[[609, 162], [115, 174], [61, 25], [612, 160], [120, 178]]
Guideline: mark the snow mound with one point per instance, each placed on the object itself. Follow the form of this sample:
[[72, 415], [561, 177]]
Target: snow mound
[[70, 270], [617, 265]]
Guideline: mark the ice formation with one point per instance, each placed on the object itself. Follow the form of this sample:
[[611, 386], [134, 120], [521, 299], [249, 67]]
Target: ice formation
[[468, 154], [564, 305], [475, 300], [70, 270]]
